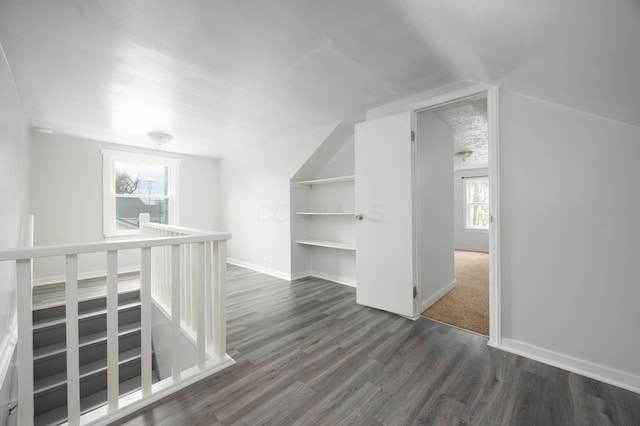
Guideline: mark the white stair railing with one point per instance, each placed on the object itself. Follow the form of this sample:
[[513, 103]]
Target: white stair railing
[[177, 266], [199, 271]]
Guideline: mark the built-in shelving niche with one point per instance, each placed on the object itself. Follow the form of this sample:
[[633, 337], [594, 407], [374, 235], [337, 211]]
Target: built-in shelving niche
[[324, 218]]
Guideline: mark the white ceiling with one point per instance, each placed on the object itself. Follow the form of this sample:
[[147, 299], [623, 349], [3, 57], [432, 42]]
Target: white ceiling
[[223, 76]]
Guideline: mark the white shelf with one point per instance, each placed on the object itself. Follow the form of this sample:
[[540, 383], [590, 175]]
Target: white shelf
[[326, 213], [328, 180], [328, 244]]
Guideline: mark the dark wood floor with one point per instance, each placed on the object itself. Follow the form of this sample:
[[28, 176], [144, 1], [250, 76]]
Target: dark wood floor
[[307, 355]]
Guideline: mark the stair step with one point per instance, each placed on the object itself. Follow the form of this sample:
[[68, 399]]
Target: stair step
[[50, 333], [91, 402], [54, 363], [101, 336], [51, 295], [41, 314], [50, 354], [91, 313], [60, 379]]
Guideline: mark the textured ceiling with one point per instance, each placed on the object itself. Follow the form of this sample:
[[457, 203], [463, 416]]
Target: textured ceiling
[[468, 120], [223, 76]]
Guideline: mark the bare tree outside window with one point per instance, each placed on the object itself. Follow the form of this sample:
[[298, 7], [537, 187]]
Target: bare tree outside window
[[140, 188], [477, 197], [126, 183]]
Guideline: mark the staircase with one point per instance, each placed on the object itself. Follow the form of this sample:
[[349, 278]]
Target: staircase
[[49, 347]]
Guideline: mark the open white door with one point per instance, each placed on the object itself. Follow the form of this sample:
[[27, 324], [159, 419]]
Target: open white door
[[384, 235]]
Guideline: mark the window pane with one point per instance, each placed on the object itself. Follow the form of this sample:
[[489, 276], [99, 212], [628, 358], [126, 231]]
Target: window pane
[[128, 210], [477, 197], [139, 178], [478, 216], [478, 191]]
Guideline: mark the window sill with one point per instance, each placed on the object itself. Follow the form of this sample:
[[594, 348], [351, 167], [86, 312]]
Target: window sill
[[475, 230]]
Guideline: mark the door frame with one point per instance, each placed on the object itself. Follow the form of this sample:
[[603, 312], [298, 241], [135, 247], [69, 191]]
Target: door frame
[[494, 190]]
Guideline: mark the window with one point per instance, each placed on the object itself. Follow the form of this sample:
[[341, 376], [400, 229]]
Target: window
[[134, 184], [476, 203]]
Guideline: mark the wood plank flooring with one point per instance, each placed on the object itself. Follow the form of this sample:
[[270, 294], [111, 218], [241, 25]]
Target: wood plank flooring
[[308, 355]]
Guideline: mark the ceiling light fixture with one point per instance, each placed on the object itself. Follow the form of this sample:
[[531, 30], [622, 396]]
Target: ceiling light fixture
[[44, 130], [161, 138], [463, 155]]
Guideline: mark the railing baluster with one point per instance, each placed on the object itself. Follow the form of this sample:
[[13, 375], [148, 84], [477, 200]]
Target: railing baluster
[[219, 300], [25, 345], [73, 355], [175, 313], [200, 283], [145, 319], [208, 294], [113, 373], [183, 284], [166, 267], [190, 298]]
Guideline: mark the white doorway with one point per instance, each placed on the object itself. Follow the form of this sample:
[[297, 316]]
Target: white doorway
[[387, 265], [452, 189], [477, 159]]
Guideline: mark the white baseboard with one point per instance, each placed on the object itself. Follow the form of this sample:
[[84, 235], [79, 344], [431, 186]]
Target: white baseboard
[[348, 281], [589, 369], [261, 269], [468, 248], [435, 297]]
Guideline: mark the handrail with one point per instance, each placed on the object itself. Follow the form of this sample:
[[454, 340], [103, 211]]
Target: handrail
[[66, 249]]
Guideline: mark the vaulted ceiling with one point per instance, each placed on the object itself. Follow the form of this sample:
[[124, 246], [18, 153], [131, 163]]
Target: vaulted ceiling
[[223, 76]]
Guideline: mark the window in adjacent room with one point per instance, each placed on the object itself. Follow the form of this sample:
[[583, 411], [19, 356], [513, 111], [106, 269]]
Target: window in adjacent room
[[477, 203], [134, 184]]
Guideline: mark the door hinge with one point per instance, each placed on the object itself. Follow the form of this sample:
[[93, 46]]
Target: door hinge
[[415, 292], [413, 136]]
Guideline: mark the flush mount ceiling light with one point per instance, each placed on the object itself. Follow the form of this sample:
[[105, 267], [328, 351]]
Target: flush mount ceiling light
[[44, 130], [161, 138], [463, 155]]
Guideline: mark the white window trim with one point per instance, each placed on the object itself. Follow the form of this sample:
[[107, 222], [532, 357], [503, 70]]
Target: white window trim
[[109, 196], [465, 218]]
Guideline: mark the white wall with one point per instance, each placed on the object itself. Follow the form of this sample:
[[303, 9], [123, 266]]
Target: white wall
[[466, 239], [342, 163], [570, 240], [162, 337], [255, 197], [67, 196], [434, 192], [14, 207]]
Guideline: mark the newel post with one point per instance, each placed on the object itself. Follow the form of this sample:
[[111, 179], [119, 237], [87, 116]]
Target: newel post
[[144, 218]]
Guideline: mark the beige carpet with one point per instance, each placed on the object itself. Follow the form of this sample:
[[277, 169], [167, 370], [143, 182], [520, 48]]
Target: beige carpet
[[467, 305]]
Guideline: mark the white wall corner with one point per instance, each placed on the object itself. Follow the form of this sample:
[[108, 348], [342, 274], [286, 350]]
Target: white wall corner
[[300, 275], [425, 304], [410, 102], [603, 373]]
